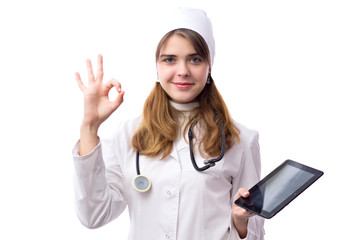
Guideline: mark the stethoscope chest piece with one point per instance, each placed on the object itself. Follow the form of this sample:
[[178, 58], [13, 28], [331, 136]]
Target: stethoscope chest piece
[[141, 183]]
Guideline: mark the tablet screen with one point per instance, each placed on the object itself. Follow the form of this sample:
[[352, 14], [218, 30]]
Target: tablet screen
[[279, 188]]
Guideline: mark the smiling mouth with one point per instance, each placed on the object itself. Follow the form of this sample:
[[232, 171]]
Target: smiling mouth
[[183, 84]]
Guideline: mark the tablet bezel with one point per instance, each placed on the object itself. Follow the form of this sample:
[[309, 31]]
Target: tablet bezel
[[246, 202]]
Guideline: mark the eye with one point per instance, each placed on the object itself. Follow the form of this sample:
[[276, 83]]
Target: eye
[[169, 60], [195, 60]]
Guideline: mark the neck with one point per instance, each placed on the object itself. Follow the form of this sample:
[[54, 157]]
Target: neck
[[184, 107]]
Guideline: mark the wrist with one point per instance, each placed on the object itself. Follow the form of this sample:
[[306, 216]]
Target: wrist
[[88, 139], [241, 226], [89, 128]]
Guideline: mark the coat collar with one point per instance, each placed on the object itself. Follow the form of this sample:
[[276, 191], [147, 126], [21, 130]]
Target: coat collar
[[179, 144]]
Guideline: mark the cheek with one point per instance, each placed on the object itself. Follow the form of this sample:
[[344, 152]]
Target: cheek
[[164, 72], [203, 75]]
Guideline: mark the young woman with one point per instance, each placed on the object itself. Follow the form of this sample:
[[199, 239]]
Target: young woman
[[155, 164]]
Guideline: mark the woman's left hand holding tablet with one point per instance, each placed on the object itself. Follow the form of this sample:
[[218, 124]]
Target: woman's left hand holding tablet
[[241, 216]]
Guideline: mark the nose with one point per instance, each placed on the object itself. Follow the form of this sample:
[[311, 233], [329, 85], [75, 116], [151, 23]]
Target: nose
[[183, 70]]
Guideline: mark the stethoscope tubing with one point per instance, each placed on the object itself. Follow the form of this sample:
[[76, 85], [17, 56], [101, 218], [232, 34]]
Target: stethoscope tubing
[[211, 162], [142, 183]]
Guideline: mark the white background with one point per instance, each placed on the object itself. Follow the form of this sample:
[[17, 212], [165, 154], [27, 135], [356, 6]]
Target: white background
[[289, 69]]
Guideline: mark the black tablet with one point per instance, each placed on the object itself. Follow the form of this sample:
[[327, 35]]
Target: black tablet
[[279, 188]]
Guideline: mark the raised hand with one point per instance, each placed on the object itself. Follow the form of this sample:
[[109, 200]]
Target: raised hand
[[97, 106]]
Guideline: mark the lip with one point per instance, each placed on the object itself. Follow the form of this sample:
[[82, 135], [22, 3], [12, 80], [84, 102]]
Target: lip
[[183, 85]]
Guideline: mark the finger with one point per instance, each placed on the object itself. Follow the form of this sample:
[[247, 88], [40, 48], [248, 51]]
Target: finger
[[100, 71], [119, 99], [110, 84], [242, 192], [245, 193], [79, 82], [248, 214], [245, 213], [90, 71], [241, 212]]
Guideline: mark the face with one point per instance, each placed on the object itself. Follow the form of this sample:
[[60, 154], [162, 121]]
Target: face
[[182, 72]]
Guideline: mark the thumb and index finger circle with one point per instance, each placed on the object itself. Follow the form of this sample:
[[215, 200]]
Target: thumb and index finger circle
[[110, 84]]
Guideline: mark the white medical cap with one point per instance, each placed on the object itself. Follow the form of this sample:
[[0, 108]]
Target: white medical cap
[[193, 19]]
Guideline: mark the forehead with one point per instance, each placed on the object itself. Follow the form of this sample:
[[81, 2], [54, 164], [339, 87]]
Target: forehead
[[177, 43]]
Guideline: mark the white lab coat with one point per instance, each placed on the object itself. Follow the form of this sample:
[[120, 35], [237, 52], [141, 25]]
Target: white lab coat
[[182, 203]]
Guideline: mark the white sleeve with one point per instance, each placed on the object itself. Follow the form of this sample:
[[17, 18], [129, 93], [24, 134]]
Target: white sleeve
[[250, 175], [98, 189]]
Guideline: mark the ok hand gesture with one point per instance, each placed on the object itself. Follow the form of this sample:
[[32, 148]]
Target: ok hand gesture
[[97, 106]]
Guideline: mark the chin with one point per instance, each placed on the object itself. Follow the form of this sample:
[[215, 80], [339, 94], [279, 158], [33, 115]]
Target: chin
[[183, 97]]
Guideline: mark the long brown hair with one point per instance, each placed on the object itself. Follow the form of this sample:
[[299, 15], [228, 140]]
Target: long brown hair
[[158, 129]]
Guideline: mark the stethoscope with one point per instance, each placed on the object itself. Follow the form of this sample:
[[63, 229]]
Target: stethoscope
[[141, 183]]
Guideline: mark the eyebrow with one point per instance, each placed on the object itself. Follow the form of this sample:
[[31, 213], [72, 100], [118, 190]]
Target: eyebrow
[[167, 55], [171, 55]]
